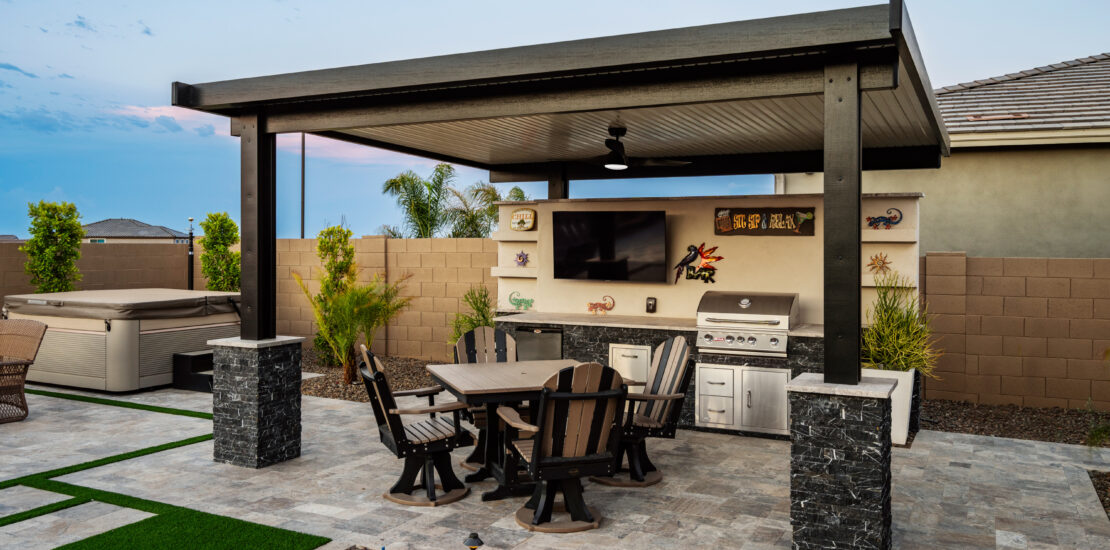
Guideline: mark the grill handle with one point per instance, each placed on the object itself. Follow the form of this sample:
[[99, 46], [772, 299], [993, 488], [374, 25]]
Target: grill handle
[[771, 322]]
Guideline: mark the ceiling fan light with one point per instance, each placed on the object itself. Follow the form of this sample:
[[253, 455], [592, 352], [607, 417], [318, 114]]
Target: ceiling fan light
[[615, 161]]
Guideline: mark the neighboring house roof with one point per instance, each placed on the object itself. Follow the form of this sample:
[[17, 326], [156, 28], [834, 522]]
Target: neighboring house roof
[[1066, 96], [8, 238], [131, 229]]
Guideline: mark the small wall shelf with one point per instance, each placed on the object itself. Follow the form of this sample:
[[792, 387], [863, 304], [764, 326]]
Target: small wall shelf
[[516, 236], [516, 272], [888, 235]]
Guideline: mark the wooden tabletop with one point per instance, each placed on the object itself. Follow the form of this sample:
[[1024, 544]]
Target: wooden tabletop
[[488, 378]]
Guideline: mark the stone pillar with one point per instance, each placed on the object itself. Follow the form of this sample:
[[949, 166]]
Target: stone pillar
[[256, 400], [840, 463]]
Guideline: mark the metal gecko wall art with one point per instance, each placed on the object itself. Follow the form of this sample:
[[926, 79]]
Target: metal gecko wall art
[[521, 304], [893, 217], [606, 304]]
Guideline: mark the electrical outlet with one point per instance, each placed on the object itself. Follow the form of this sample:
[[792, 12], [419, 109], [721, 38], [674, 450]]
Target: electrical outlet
[[651, 304]]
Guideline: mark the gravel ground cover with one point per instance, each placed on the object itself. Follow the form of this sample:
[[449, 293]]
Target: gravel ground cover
[[1102, 487], [403, 373]]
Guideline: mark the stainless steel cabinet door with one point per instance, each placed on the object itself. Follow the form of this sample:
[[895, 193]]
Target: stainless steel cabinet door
[[763, 399]]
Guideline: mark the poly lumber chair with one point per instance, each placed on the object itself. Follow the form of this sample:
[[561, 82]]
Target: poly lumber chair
[[576, 435], [482, 345], [653, 413], [426, 445], [19, 345]]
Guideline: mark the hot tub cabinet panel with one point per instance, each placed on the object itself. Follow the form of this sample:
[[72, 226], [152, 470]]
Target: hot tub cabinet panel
[[121, 340]]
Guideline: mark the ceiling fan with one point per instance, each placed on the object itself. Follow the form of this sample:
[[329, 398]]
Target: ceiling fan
[[617, 159]]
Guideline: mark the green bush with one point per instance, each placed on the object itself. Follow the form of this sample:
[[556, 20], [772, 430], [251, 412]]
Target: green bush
[[336, 253], [898, 336], [54, 247], [481, 314], [219, 264]]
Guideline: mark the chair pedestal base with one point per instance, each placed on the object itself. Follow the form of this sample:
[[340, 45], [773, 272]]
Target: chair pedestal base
[[619, 480], [640, 472], [422, 500], [449, 490], [524, 519]]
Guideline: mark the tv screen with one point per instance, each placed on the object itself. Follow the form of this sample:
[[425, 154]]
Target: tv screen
[[610, 246]]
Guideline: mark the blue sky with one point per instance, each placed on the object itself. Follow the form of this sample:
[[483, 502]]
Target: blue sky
[[85, 88]]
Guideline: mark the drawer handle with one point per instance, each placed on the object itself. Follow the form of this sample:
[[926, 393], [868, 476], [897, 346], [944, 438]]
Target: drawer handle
[[716, 410], [749, 399], [630, 356], [715, 383]]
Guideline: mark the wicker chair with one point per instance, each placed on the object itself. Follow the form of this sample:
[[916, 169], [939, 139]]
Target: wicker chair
[[19, 345]]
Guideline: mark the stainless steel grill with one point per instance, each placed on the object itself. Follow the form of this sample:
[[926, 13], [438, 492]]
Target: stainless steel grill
[[746, 323]]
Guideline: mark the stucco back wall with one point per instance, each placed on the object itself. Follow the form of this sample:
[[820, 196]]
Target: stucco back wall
[[1048, 203]]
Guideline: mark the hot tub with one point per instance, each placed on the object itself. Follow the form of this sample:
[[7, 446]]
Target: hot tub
[[121, 340]]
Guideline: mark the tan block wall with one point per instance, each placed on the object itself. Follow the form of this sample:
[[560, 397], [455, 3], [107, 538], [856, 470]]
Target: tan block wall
[[106, 266], [1026, 331]]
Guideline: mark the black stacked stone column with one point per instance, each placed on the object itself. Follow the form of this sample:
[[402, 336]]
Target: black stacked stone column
[[256, 400], [840, 463]]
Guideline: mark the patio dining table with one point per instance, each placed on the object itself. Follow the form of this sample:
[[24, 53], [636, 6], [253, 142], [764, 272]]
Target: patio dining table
[[492, 385]]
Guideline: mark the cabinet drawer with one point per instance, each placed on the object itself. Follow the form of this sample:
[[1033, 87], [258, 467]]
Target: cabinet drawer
[[716, 410], [713, 381], [631, 361]]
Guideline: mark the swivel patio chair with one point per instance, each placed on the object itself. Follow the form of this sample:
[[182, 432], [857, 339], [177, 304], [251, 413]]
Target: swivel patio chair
[[19, 345], [576, 435], [426, 445], [654, 413], [482, 345]]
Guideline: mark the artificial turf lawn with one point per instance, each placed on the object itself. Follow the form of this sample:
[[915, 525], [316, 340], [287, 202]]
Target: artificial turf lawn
[[173, 526], [124, 404]]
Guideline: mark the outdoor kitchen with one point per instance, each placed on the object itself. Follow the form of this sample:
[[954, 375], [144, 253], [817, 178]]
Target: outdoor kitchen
[[741, 281]]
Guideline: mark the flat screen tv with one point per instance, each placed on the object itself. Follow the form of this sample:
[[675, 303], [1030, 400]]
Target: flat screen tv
[[610, 246]]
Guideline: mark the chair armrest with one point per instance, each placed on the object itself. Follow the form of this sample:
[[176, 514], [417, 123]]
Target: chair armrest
[[430, 390], [631, 382], [512, 418], [18, 362], [654, 397], [445, 407]]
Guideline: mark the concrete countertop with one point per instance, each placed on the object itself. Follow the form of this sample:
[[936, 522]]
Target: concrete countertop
[[633, 321]]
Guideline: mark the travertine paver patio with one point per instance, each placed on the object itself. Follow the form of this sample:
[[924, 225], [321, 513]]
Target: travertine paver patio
[[66, 526], [950, 491]]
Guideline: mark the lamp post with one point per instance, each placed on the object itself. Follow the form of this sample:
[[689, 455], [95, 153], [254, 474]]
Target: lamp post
[[189, 269]]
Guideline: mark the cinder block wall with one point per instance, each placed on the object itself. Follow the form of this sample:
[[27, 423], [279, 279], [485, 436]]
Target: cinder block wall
[[1024, 331], [106, 266]]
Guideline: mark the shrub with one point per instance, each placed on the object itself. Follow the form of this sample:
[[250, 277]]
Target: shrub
[[219, 264], [337, 255], [54, 246], [898, 336], [481, 314]]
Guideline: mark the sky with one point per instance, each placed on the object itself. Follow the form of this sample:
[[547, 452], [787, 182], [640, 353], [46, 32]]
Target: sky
[[85, 113]]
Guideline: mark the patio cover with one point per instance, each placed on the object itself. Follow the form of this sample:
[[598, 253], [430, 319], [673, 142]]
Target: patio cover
[[835, 91]]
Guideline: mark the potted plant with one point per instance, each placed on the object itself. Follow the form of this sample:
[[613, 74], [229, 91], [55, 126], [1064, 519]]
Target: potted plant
[[897, 343]]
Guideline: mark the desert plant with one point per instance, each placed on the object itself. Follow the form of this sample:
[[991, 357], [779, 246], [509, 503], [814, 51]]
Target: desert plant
[[385, 303], [422, 201], [898, 336], [54, 247], [337, 255], [478, 299], [219, 264]]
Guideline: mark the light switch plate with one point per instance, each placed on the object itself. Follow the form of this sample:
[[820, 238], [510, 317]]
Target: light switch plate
[[651, 304]]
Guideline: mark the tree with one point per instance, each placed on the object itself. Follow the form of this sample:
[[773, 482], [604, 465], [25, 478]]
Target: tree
[[473, 212], [422, 201], [54, 247], [335, 251], [219, 264]]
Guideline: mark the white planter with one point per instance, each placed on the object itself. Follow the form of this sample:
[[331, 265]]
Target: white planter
[[900, 402]]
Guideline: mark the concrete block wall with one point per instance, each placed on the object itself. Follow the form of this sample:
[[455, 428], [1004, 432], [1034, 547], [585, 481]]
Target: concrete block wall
[[106, 266], [1033, 332]]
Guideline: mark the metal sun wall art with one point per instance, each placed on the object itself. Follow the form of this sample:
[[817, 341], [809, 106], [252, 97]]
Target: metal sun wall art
[[703, 270], [893, 217], [521, 304], [879, 264], [606, 304], [521, 258]]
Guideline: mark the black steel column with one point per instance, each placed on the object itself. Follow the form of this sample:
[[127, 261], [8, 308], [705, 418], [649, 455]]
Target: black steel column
[[842, 223], [557, 185], [259, 213]]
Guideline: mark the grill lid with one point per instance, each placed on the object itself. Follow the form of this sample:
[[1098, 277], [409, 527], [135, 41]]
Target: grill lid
[[773, 311]]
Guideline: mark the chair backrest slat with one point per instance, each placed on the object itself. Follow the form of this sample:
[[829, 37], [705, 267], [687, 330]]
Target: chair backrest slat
[[578, 408], [485, 345], [668, 367], [20, 339], [381, 397]]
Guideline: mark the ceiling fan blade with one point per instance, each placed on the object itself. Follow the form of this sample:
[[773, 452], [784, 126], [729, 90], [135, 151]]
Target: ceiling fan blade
[[658, 162]]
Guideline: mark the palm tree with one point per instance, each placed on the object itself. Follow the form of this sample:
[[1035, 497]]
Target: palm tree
[[422, 200], [473, 212]]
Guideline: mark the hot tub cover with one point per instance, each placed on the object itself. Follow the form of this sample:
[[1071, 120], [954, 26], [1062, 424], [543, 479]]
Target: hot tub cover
[[135, 303]]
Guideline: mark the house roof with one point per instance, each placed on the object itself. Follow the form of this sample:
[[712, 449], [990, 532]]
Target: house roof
[[8, 238], [129, 228], [1070, 95]]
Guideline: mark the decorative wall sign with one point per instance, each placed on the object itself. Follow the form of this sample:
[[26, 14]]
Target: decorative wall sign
[[697, 264], [893, 217], [606, 304], [523, 219], [764, 221], [521, 304], [521, 258], [879, 263]]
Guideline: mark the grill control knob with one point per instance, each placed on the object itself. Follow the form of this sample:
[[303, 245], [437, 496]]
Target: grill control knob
[[708, 337], [774, 342], [751, 340], [729, 340]]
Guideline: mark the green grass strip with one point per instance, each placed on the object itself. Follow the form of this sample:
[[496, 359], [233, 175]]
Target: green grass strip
[[41, 511], [102, 461], [124, 404]]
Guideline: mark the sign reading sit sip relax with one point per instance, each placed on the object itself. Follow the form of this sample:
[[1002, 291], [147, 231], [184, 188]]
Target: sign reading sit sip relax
[[784, 221]]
